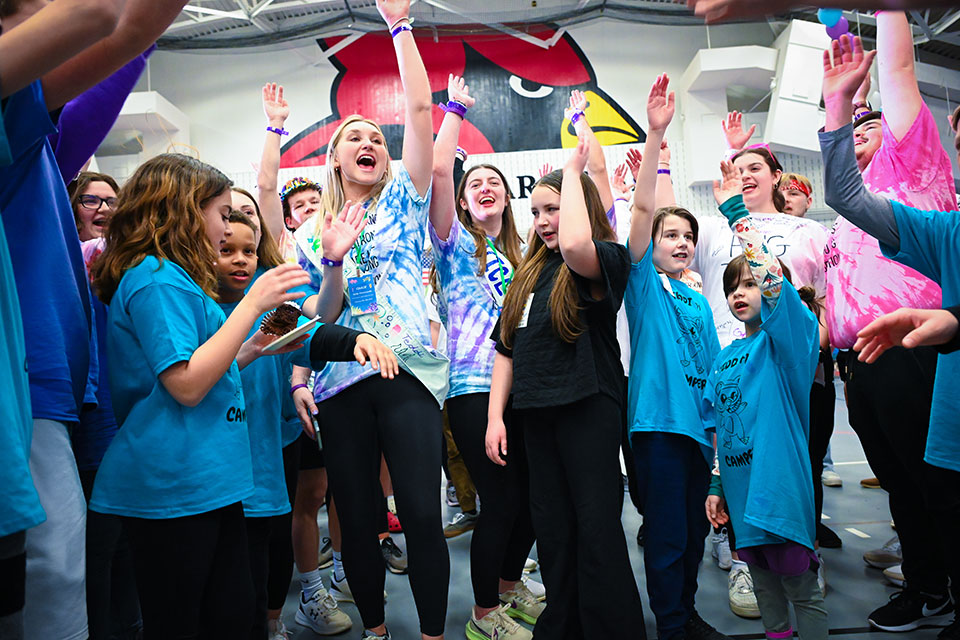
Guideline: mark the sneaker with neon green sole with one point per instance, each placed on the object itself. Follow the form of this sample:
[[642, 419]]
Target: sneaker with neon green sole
[[523, 604]]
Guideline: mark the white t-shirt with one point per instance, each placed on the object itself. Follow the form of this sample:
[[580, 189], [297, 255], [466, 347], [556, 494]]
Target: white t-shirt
[[798, 242]]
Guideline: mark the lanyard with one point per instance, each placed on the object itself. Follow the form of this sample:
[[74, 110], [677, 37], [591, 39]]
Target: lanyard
[[356, 243], [503, 274]]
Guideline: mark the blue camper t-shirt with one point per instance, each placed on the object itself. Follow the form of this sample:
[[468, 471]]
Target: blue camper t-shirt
[[266, 381], [930, 243], [758, 393], [168, 460], [20, 508], [673, 342]]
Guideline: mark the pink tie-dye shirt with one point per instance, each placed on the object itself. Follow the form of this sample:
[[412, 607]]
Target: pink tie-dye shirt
[[862, 285]]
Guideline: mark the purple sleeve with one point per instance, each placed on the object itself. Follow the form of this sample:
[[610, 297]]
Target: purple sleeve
[[612, 216], [86, 120]]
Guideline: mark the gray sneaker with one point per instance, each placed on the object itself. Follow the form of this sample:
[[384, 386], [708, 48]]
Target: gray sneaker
[[394, 556], [886, 556], [461, 523], [452, 500]]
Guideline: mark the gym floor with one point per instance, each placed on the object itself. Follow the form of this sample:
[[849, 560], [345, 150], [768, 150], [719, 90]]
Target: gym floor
[[860, 516]]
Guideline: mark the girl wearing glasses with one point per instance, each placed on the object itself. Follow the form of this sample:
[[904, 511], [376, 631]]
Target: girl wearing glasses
[[93, 197]]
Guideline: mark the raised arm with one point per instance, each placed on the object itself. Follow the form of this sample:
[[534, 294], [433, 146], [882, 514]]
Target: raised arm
[[574, 235], [732, 127], [660, 108], [596, 162], [844, 190], [665, 196], [31, 48], [764, 266], [720, 10], [418, 123], [141, 23], [339, 234], [896, 72], [442, 206], [277, 110]]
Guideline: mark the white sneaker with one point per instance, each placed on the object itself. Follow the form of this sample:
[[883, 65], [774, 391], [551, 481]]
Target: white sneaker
[[321, 614], [743, 601], [831, 478], [340, 590], [721, 549], [370, 635], [895, 575], [537, 589], [530, 565], [277, 630], [496, 625], [522, 604]]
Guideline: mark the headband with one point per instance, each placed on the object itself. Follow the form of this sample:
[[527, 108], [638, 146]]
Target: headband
[[298, 184], [796, 184]]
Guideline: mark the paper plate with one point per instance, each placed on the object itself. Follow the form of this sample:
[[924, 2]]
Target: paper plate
[[287, 338]]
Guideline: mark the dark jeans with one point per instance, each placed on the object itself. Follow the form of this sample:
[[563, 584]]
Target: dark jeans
[[504, 533], [673, 477], [400, 418], [632, 486], [889, 405], [193, 575], [576, 497], [113, 608], [823, 400]]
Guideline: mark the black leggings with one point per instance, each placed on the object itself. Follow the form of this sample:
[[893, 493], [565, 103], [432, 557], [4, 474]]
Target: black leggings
[[280, 569], [193, 575], [504, 533], [576, 496], [823, 400], [401, 419]]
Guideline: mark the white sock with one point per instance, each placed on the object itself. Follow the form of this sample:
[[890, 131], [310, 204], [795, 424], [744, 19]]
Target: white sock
[[338, 573], [310, 583], [392, 505], [738, 564]]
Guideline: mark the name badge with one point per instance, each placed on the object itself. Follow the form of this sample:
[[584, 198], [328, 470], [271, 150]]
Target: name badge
[[363, 295], [526, 312]]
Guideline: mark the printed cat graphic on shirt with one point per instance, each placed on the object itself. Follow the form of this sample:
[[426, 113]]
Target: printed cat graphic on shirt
[[729, 406], [691, 331]]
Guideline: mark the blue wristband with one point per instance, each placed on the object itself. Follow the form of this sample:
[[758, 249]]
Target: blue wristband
[[400, 29], [331, 263]]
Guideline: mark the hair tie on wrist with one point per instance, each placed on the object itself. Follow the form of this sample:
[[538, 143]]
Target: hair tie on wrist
[[298, 386], [280, 132], [575, 117], [331, 263], [404, 26], [455, 107]]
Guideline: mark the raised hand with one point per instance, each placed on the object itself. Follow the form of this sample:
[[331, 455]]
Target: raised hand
[[578, 102], [274, 106], [863, 91], [378, 354], [342, 230], [545, 169], [393, 10], [458, 90], [634, 158], [732, 184], [733, 129], [618, 183], [845, 73], [578, 159], [660, 104]]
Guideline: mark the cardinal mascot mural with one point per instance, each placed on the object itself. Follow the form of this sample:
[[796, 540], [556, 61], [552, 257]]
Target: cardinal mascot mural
[[521, 91]]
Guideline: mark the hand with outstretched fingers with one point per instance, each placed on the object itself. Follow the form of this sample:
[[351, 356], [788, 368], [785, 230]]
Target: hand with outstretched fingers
[[342, 230]]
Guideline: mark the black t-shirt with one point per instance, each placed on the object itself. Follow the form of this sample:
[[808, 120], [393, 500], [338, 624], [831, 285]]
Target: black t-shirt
[[549, 372]]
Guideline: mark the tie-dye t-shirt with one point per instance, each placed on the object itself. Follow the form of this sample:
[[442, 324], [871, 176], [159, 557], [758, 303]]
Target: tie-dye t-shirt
[[862, 285], [471, 311], [390, 248]]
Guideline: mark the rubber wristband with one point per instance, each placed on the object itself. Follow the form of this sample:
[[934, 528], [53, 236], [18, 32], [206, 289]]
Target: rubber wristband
[[280, 132], [575, 118], [406, 19], [398, 30], [331, 263], [298, 386], [455, 107], [663, 171]]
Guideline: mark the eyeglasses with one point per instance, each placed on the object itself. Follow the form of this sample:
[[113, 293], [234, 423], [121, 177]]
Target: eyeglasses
[[93, 202]]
